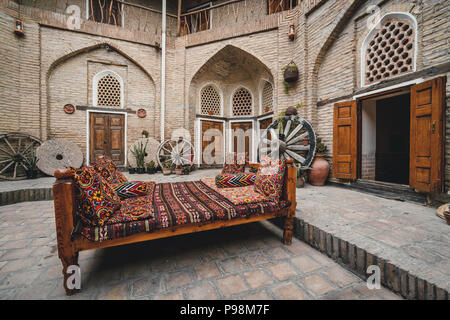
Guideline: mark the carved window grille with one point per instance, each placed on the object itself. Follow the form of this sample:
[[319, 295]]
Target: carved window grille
[[210, 101], [267, 97], [109, 91], [242, 103], [390, 51], [106, 11], [274, 6]]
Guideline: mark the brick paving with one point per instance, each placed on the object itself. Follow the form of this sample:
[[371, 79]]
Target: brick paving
[[410, 238], [241, 262]]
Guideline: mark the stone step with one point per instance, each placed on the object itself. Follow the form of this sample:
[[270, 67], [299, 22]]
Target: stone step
[[386, 190]]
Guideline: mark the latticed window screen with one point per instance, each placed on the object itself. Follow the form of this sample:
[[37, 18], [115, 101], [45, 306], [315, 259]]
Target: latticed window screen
[[210, 101], [242, 103], [108, 91], [390, 52], [267, 97]]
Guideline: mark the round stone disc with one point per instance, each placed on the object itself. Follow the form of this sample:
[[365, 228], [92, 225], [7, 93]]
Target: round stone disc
[[58, 154], [151, 150]]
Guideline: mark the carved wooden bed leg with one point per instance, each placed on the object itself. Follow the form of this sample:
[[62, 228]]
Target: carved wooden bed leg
[[65, 213], [288, 230], [67, 262]]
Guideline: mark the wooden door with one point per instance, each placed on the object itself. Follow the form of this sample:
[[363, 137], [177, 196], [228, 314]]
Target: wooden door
[[345, 140], [263, 125], [427, 135], [107, 136], [246, 139], [212, 141]]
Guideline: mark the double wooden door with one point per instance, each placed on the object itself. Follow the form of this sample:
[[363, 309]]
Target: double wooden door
[[242, 137], [107, 136], [426, 137], [212, 142]]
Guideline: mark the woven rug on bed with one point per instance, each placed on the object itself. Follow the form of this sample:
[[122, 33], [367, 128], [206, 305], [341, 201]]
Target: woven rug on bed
[[176, 204]]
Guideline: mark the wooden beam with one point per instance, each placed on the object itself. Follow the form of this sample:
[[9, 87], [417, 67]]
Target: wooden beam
[[212, 7], [179, 18], [145, 8]]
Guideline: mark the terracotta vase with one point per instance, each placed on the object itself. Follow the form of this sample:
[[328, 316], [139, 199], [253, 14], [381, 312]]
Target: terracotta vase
[[320, 168]]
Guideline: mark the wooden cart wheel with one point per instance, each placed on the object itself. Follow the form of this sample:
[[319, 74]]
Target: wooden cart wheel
[[176, 152], [297, 140], [15, 147]]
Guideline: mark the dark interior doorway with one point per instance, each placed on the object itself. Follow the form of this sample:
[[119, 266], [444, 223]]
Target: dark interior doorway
[[392, 139]]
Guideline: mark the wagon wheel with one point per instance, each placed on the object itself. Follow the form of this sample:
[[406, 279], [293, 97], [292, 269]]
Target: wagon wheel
[[297, 140], [15, 147], [175, 152]]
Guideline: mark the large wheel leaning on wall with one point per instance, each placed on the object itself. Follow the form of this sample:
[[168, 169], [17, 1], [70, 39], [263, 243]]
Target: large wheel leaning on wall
[[176, 152], [15, 148], [291, 138], [150, 151], [58, 154]]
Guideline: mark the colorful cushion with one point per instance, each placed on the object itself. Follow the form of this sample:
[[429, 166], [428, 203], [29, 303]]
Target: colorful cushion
[[237, 196], [232, 165], [233, 180], [269, 179], [131, 189], [108, 170], [96, 199]]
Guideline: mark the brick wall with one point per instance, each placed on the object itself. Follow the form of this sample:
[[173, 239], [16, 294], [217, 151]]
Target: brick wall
[[329, 35]]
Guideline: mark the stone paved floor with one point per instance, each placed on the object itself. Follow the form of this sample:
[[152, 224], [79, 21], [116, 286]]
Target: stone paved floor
[[408, 235], [242, 262]]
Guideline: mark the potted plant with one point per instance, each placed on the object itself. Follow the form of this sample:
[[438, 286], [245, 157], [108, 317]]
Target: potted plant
[[290, 72], [302, 176], [151, 168], [320, 168], [178, 169], [139, 153], [167, 168], [31, 164], [131, 170]]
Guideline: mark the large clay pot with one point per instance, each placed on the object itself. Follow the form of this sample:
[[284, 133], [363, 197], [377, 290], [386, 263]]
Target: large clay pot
[[320, 169]]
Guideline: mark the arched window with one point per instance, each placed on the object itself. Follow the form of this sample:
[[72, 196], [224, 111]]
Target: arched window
[[210, 101], [389, 49], [267, 97], [108, 90], [242, 102]]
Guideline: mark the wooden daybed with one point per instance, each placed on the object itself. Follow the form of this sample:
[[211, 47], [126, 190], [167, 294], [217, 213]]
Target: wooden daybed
[[71, 243]]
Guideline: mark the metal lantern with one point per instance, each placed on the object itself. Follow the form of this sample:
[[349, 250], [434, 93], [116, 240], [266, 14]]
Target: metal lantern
[[291, 33]]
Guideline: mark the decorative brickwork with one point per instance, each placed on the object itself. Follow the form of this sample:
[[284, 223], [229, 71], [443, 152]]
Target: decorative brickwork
[[210, 101], [267, 97], [390, 52], [242, 103]]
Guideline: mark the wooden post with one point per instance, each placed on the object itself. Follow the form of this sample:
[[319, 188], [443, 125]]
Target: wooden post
[[179, 18], [65, 211], [290, 195]]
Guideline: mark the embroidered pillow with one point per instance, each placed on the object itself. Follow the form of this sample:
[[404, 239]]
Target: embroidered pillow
[[229, 180], [108, 170], [269, 179], [96, 200], [234, 163], [131, 189]]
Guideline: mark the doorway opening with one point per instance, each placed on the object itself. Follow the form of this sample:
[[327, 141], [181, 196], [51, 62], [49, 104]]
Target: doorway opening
[[385, 140]]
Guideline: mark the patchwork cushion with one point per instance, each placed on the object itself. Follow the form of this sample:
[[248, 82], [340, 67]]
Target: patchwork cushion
[[233, 180], [234, 163], [237, 196], [108, 170], [96, 199], [137, 208], [131, 189], [269, 178]]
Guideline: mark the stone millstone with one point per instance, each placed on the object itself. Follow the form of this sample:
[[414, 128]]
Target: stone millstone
[[151, 150], [58, 154]]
